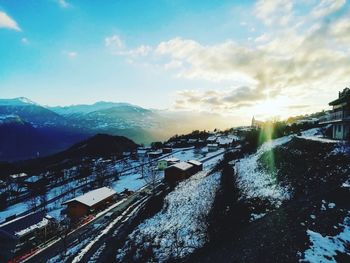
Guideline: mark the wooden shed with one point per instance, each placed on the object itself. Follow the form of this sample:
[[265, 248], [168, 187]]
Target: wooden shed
[[197, 166], [89, 202], [178, 172]]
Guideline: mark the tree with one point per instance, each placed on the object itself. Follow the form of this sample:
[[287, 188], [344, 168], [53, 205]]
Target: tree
[[152, 178], [100, 178]]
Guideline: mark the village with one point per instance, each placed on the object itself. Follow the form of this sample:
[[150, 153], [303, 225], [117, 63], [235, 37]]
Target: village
[[34, 227], [73, 203]]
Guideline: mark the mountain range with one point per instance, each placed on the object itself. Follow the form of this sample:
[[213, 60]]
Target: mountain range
[[29, 130]]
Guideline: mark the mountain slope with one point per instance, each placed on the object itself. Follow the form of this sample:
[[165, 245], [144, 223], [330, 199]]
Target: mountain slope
[[30, 112], [21, 140]]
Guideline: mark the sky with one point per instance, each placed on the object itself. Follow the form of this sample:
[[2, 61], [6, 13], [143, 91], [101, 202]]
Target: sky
[[274, 58]]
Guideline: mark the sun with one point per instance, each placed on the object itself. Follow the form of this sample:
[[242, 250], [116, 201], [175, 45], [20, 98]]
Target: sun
[[271, 108]]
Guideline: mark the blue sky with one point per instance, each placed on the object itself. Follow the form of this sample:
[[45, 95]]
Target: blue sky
[[231, 57]]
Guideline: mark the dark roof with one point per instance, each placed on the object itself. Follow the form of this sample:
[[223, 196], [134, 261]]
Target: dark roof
[[344, 96], [21, 223]]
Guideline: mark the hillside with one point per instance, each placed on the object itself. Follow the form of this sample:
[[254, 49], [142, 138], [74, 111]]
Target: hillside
[[97, 146], [21, 140], [289, 204]]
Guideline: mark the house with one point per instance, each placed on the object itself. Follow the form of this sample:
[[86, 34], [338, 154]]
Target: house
[[225, 141], [178, 172], [24, 233], [164, 163], [167, 150], [141, 152], [212, 147], [191, 141], [340, 116], [89, 202], [155, 154], [19, 176], [211, 139], [197, 166]]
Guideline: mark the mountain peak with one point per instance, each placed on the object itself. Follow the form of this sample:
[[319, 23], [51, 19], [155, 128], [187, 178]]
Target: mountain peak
[[25, 100], [20, 101]]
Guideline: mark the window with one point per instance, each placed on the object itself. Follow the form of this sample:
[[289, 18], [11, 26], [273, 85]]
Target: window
[[339, 128]]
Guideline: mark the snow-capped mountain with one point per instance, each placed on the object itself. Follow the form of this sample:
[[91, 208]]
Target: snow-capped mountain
[[87, 108], [30, 112]]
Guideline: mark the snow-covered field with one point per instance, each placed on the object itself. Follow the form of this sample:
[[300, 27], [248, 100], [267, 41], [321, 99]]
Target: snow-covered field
[[257, 183], [180, 227]]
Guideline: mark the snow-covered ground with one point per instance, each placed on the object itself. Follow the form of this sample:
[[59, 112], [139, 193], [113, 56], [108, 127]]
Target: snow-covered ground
[[316, 135], [181, 221], [257, 183], [131, 180], [325, 248]]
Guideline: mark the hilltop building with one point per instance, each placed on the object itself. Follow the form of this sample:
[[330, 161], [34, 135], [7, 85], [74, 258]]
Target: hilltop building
[[256, 123], [340, 116]]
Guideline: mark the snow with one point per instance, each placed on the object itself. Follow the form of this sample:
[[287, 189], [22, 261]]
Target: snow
[[13, 210], [256, 183], [325, 248], [194, 162], [104, 232], [182, 166], [341, 148], [39, 225], [254, 216], [182, 219], [314, 134], [346, 184], [132, 182], [93, 197]]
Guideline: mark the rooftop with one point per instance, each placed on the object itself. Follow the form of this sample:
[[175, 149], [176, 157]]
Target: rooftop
[[182, 166], [195, 162], [93, 197], [25, 224], [342, 97], [172, 160]]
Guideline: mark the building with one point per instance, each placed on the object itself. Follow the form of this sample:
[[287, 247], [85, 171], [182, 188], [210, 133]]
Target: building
[[167, 150], [24, 233], [155, 154], [141, 152], [89, 202], [211, 139], [178, 172], [225, 141], [181, 170], [340, 116], [212, 147], [257, 124], [197, 166], [164, 163]]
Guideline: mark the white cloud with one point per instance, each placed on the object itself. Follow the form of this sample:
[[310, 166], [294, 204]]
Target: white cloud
[[7, 22], [114, 42], [326, 7], [274, 12], [63, 3]]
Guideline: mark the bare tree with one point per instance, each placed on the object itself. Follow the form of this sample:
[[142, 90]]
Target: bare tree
[[152, 178]]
